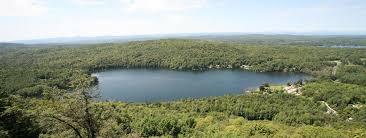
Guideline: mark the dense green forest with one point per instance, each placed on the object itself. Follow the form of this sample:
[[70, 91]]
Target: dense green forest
[[48, 92]]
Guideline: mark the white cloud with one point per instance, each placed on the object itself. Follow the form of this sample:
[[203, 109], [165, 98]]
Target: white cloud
[[21, 8], [88, 2], [162, 5]]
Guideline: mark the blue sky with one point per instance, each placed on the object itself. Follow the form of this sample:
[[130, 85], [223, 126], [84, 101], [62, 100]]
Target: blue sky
[[32, 19]]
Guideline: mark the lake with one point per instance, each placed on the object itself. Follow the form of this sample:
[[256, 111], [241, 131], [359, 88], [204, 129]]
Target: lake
[[147, 85]]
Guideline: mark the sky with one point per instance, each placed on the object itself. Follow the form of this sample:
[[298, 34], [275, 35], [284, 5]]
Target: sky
[[34, 19]]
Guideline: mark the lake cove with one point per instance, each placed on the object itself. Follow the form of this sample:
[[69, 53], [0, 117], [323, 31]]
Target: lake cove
[[146, 85]]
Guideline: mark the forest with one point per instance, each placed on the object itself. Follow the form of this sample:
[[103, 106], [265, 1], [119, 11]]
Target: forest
[[49, 91]]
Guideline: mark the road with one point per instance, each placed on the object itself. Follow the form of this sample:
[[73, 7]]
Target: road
[[329, 109]]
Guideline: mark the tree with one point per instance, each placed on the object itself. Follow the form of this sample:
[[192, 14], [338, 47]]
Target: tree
[[14, 120], [75, 113], [262, 88], [299, 82]]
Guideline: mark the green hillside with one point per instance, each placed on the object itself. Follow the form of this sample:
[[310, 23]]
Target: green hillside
[[48, 92]]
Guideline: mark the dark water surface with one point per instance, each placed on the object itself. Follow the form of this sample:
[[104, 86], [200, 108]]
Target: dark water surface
[[145, 85]]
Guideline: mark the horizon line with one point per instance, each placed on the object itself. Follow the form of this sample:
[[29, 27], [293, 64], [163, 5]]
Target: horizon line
[[187, 34]]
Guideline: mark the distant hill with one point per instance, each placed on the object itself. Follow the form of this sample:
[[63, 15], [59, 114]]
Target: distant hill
[[261, 39], [10, 44], [320, 40], [80, 40], [103, 39]]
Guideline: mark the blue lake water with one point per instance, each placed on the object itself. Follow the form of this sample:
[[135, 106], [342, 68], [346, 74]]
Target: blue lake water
[[146, 85]]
